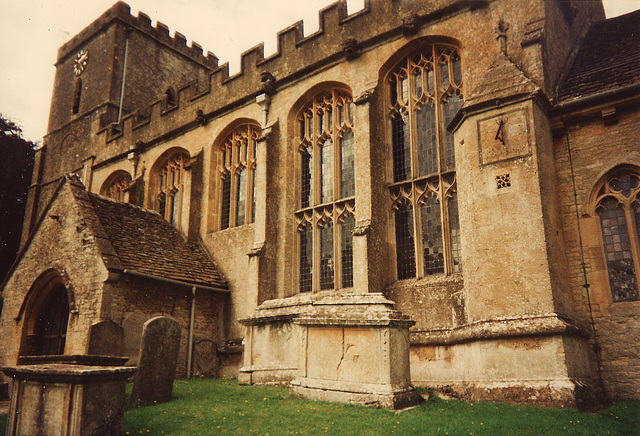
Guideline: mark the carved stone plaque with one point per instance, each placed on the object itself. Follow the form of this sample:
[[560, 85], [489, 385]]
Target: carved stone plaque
[[504, 137]]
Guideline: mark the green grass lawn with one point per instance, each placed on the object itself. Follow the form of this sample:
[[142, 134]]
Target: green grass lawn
[[205, 406]]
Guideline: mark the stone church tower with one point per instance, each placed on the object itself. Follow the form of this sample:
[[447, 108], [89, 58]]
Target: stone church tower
[[432, 193]]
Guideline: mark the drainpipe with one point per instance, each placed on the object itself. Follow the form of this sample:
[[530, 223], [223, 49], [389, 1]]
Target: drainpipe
[[585, 279], [191, 322], [124, 74]]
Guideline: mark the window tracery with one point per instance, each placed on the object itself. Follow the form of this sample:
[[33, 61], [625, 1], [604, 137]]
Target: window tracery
[[618, 207], [325, 216], [116, 186], [424, 93], [172, 179], [237, 169]]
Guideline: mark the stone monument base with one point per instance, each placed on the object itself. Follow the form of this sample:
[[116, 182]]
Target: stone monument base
[[395, 399], [61, 399], [354, 348]]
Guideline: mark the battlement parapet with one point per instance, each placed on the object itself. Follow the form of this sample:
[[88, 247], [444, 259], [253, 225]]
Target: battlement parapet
[[122, 12], [340, 37]]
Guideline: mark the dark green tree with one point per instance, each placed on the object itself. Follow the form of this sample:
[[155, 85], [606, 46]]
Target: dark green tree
[[16, 164]]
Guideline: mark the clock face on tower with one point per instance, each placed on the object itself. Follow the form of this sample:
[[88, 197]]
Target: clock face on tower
[[81, 62]]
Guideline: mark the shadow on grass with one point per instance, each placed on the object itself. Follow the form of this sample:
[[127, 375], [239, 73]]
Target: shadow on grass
[[206, 406]]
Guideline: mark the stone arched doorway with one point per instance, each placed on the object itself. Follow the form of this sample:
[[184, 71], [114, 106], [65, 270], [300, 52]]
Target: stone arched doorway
[[47, 316]]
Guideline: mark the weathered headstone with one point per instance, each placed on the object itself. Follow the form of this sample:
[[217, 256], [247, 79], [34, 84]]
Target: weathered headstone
[[157, 361], [205, 358], [132, 324], [106, 339]]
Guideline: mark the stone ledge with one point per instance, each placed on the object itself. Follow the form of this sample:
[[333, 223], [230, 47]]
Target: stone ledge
[[546, 325], [569, 393], [74, 359], [64, 373], [394, 401], [308, 321]]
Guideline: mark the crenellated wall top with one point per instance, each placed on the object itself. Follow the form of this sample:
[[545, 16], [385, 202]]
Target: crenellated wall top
[[160, 32], [340, 37]]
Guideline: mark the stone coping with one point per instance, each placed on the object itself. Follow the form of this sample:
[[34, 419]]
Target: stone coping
[[65, 373], [545, 325], [74, 359], [354, 308], [368, 322]]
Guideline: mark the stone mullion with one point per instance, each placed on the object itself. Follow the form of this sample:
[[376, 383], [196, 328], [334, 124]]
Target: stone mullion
[[446, 232], [251, 176], [415, 173], [233, 192], [259, 184], [337, 250], [315, 259], [417, 231], [634, 240], [315, 200], [337, 194], [438, 94]]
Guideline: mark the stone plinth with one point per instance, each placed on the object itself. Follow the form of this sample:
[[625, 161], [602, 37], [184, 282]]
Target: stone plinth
[[57, 399], [355, 348]]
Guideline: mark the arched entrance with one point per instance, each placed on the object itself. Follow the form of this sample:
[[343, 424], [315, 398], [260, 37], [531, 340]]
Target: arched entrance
[[45, 328]]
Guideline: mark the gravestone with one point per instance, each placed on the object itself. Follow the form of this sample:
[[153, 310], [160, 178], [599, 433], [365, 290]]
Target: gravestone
[[205, 358], [157, 361], [106, 339], [132, 324]]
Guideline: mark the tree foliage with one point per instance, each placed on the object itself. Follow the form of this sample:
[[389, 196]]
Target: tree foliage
[[16, 164]]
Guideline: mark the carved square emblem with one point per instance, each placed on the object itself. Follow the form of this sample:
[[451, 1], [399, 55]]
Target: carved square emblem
[[504, 137]]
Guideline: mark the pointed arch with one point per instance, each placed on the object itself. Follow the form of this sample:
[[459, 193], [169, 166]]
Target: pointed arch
[[46, 310], [116, 185], [168, 184], [322, 123], [234, 166], [615, 203], [422, 88]]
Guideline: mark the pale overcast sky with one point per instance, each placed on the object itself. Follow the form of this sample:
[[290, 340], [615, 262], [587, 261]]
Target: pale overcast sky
[[32, 31]]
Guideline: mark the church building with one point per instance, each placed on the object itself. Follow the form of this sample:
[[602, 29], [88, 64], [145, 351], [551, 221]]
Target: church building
[[434, 193]]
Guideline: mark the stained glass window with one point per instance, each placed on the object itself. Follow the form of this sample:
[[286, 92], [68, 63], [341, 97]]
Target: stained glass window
[[171, 180], [425, 92], [237, 169], [116, 185], [618, 206], [325, 214]]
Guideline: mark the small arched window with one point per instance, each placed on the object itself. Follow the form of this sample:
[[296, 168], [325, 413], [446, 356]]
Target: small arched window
[[237, 169], [325, 214], [77, 93], [170, 98], [171, 182], [424, 92], [116, 186], [618, 208]]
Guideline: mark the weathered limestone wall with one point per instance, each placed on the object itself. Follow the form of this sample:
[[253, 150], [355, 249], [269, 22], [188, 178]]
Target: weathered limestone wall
[[504, 248], [56, 247], [597, 148], [518, 370], [134, 301]]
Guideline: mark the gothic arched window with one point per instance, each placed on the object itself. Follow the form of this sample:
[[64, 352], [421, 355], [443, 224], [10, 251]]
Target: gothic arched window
[[237, 169], [45, 326], [618, 207], [424, 92], [116, 185], [325, 215], [172, 178]]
